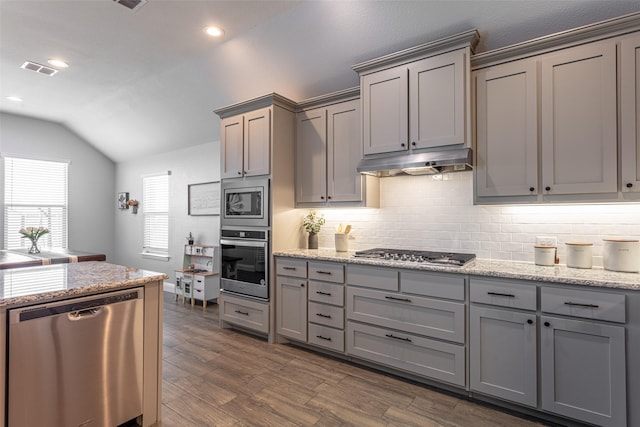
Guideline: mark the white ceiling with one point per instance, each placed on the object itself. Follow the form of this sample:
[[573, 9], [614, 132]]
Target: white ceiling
[[146, 82]]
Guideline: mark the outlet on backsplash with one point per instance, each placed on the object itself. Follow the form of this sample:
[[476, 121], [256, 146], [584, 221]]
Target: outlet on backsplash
[[546, 241]]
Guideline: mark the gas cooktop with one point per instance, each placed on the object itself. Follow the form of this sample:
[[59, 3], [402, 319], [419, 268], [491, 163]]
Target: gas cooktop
[[426, 257]]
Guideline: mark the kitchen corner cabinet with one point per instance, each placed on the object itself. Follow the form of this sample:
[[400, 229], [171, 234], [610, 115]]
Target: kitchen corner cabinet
[[630, 112], [246, 144], [328, 149], [507, 130], [579, 123], [422, 104]]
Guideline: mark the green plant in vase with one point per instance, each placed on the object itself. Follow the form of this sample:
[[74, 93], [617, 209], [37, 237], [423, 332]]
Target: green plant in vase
[[33, 234], [312, 223]]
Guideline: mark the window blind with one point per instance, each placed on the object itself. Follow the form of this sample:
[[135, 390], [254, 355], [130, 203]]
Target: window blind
[[35, 195], [155, 207]]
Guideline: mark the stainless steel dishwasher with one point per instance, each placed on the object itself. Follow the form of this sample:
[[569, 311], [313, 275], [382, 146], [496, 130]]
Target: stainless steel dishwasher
[[77, 362]]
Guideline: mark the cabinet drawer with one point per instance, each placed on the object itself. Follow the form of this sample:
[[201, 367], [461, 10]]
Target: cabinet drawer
[[326, 315], [291, 267], [326, 337], [450, 286], [243, 312], [422, 356], [512, 295], [418, 315], [587, 304], [373, 277], [328, 293], [326, 271]]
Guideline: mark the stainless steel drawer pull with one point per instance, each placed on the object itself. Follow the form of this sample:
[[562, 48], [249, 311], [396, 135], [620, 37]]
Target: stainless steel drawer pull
[[323, 272], [288, 268], [323, 338], [323, 293], [398, 299], [246, 313], [577, 304], [499, 294], [397, 338], [326, 316]]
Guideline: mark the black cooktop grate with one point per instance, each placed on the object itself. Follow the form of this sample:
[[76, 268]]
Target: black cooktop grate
[[427, 257]]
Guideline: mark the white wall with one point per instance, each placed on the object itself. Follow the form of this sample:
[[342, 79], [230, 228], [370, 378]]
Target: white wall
[[188, 166], [91, 178], [422, 212]]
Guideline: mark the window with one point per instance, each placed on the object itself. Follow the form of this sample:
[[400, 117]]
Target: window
[[35, 195], [155, 206]]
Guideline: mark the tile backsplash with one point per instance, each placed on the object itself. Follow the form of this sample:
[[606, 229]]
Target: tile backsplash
[[437, 213]]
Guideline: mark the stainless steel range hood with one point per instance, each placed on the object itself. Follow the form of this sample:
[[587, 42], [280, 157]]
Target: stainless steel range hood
[[429, 163]]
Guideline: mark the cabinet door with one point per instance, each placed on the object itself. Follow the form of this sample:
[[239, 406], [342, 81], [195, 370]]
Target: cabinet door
[[232, 129], [311, 156], [437, 100], [507, 130], [583, 370], [385, 104], [344, 146], [257, 142], [630, 112], [292, 308], [579, 133], [503, 354]]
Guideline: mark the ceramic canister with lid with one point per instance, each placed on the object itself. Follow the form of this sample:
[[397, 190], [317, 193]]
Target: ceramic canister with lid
[[579, 255], [621, 255]]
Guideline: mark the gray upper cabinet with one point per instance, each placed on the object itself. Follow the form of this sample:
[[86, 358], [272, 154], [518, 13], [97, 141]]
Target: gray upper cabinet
[[579, 124], [328, 149], [507, 130], [417, 98], [630, 113], [246, 144]]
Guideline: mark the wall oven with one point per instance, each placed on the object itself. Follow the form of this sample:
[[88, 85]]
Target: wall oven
[[245, 203], [245, 262]]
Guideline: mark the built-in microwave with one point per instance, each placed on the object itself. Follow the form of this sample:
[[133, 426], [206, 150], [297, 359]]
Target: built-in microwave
[[245, 202]]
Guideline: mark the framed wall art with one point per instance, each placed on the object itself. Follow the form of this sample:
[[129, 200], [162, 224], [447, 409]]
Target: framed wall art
[[123, 198], [204, 198]]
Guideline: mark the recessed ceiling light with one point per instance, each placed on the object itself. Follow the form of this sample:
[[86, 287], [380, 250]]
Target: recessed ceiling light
[[214, 31], [14, 98], [58, 63]]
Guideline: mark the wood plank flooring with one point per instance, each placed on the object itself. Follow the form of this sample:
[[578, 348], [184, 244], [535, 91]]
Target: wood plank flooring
[[216, 377]]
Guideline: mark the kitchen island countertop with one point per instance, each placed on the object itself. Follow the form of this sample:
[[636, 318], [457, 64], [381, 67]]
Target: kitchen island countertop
[[597, 277], [32, 285]]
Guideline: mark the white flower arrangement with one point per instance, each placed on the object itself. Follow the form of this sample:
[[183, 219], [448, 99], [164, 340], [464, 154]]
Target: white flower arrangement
[[33, 233], [312, 222]]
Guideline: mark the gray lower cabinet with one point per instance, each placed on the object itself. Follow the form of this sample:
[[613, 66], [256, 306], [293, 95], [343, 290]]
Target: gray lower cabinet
[[583, 370], [412, 353], [503, 354], [291, 298]]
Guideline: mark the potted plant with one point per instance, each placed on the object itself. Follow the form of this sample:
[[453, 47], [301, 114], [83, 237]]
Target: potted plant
[[312, 222]]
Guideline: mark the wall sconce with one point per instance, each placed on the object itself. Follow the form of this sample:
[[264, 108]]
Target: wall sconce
[[134, 205]]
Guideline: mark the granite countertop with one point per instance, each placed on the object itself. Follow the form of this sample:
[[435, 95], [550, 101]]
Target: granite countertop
[[500, 269], [14, 258], [33, 285]]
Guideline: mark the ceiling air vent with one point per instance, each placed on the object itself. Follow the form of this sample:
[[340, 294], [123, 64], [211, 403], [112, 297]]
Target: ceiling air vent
[[39, 68], [131, 4]]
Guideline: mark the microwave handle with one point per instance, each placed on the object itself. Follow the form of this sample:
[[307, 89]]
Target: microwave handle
[[240, 242]]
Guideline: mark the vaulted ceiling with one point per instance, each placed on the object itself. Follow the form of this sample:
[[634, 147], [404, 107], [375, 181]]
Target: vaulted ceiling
[[147, 81]]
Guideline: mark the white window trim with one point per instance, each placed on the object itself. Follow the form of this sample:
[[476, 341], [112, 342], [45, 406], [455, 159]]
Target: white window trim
[[154, 253]]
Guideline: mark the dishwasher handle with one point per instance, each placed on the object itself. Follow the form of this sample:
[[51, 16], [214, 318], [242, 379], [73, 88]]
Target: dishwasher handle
[[84, 314]]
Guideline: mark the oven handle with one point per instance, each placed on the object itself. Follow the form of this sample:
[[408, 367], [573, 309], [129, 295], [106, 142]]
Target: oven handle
[[244, 242]]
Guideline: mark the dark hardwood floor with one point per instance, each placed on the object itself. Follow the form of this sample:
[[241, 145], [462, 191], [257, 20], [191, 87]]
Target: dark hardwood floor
[[215, 377]]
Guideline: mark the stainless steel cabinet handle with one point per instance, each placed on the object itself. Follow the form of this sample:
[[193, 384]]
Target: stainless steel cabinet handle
[[323, 293], [326, 316], [577, 304], [242, 312], [398, 299], [499, 294], [397, 338]]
